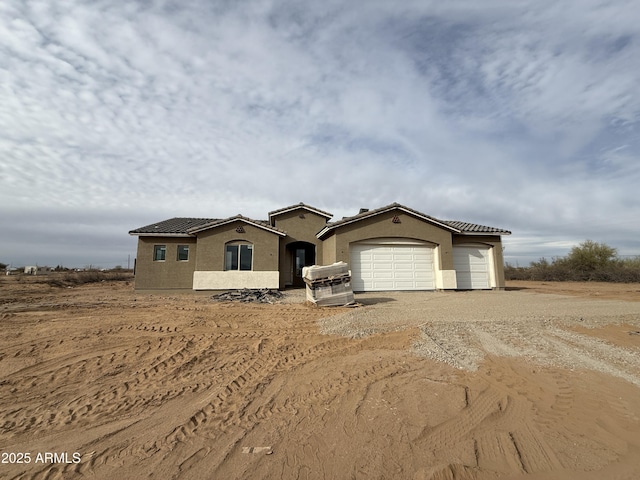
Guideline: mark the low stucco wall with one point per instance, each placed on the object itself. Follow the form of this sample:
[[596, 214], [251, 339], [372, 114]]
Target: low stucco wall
[[232, 280]]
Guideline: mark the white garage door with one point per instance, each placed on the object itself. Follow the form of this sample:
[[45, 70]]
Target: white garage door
[[391, 267], [472, 266]]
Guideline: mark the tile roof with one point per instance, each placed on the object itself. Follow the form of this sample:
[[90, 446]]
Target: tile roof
[[370, 213], [223, 221], [187, 226], [466, 227], [300, 205], [173, 226], [455, 226]]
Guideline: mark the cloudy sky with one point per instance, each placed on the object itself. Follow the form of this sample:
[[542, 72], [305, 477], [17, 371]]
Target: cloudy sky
[[519, 114]]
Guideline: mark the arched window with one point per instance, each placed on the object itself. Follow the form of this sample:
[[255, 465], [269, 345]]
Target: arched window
[[238, 256]]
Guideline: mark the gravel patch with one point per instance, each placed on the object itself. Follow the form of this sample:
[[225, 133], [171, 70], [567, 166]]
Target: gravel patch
[[461, 328]]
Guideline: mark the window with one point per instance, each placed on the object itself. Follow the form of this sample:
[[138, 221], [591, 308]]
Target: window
[[159, 252], [238, 256], [183, 253]]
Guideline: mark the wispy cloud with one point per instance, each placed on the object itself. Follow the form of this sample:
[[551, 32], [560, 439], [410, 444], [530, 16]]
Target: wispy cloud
[[522, 115]]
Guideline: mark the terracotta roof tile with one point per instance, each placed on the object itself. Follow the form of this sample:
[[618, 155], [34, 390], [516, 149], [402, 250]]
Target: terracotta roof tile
[[466, 227], [189, 225], [455, 226], [300, 205], [223, 221], [176, 225], [370, 213]]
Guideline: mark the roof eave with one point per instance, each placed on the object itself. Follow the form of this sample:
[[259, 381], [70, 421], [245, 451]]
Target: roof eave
[[497, 234], [234, 219], [385, 210], [160, 234], [321, 213], [322, 232]]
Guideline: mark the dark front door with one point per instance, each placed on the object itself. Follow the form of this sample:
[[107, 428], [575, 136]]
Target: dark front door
[[300, 261], [303, 255]]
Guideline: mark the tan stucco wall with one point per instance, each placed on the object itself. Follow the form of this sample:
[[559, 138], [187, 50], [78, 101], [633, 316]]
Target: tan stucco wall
[[211, 247], [169, 273], [382, 226], [298, 230], [493, 241], [329, 249], [206, 253]]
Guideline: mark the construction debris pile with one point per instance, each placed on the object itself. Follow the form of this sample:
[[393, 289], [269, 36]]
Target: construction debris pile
[[263, 295], [328, 285]]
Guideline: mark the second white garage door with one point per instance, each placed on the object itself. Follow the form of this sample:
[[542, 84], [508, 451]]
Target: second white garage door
[[473, 267], [391, 267]]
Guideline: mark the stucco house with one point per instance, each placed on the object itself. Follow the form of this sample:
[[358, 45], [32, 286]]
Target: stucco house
[[389, 248]]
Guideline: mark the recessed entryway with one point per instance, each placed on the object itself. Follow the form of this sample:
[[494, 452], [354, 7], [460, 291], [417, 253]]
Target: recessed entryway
[[301, 254]]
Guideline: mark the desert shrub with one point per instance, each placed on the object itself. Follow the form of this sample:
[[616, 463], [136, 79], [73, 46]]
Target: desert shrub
[[90, 276], [516, 273], [631, 263], [588, 262], [590, 256]]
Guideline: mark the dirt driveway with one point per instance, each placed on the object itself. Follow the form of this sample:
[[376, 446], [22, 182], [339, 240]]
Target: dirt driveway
[[463, 328], [464, 385]]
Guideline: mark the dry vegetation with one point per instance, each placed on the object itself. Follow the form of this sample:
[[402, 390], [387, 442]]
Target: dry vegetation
[[588, 262], [73, 278], [65, 279], [520, 384]]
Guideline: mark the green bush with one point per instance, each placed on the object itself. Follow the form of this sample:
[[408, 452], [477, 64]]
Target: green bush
[[590, 256]]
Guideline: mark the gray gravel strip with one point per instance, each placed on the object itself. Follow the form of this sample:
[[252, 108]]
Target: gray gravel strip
[[461, 328]]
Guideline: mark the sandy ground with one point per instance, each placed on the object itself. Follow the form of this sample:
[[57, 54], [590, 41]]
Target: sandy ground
[[541, 381]]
